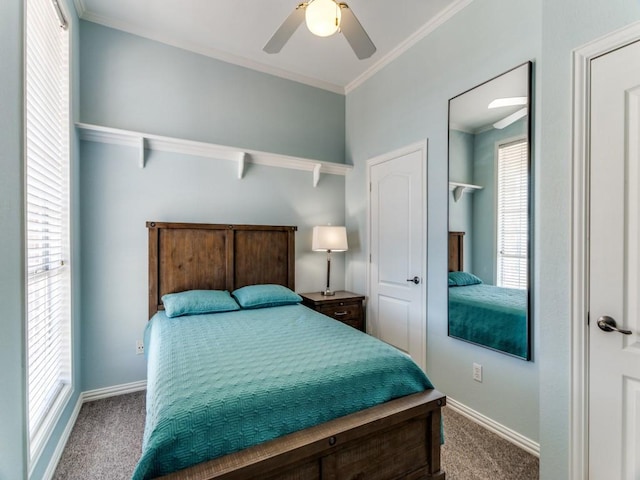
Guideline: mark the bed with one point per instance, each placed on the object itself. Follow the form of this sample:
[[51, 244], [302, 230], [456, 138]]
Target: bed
[[487, 315], [356, 438]]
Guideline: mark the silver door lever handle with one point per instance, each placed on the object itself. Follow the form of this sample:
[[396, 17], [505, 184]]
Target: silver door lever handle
[[608, 324], [415, 280]]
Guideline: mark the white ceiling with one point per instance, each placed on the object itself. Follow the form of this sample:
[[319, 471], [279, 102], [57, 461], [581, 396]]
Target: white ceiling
[[236, 30]]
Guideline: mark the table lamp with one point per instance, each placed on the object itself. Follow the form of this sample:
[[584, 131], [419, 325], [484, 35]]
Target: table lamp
[[327, 238]]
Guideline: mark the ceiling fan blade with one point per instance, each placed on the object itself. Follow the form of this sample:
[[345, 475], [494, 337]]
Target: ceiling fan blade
[[355, 34], [508, 120], [508, 102], [288, 27]]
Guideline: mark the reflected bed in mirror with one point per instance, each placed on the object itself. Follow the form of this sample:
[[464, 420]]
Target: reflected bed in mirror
[[490, 214]]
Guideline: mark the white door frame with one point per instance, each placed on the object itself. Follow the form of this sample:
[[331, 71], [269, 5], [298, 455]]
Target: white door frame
[[422, 148], [579, 421]]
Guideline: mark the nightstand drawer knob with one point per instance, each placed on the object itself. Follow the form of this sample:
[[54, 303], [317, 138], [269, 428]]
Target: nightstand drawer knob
[[340, 314]]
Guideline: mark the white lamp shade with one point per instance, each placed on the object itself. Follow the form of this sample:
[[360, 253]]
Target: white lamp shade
[[327, 237], [323, 17]]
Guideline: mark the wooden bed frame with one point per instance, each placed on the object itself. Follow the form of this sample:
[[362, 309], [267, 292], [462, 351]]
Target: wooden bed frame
[[456, 251], [399, 439]]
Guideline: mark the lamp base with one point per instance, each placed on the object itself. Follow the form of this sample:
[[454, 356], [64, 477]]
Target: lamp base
[[328, 293]]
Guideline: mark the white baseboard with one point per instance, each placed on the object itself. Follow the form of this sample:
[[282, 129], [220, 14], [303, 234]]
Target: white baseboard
[[84, 397], [512, 436], [91, 395], [62, 442]]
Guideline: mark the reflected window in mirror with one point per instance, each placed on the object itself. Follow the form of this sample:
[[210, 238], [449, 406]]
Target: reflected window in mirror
[[512, 214], [490, 214]]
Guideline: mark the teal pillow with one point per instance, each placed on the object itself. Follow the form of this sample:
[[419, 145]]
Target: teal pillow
[[194, 302], [266, 295], [461, 279]]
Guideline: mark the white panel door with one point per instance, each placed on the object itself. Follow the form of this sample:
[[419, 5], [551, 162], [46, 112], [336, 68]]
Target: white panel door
[[614, 356], [396, 303]]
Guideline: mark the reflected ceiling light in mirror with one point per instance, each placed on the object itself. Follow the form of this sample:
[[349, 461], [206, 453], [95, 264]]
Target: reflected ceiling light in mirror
[[508, 102], [514, 117]]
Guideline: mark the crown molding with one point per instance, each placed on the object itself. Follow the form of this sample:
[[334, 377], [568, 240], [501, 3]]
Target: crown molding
[[163, 37], [425, 30], [81, 9]]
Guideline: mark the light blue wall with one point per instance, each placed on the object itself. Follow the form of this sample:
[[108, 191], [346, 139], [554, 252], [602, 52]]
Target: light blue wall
[[566, 26], [13, 440], [131, 82], [405, 102], [472, 160], [461, 170], [461, 156], [138, 84]]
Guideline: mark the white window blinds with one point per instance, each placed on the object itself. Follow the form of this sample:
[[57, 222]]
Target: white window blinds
[[512, 214], [47, 216]]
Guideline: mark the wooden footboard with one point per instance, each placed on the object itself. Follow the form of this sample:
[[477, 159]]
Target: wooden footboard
[[399, 439]]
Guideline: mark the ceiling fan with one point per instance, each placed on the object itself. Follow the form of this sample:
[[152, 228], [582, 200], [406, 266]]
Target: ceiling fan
[[509, 102], [324, 18]]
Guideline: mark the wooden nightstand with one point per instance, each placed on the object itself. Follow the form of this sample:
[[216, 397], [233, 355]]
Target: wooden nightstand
[[343, 306]]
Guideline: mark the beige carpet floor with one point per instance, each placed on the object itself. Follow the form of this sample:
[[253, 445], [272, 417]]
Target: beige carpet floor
[[470, 452], [105, 444]]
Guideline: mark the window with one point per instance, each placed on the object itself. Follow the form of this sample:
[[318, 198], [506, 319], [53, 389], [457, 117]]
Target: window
[[512, 216], [47, 218]]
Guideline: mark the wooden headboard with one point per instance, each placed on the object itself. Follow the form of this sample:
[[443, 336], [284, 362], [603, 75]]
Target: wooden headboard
[[456, 251], [195, 256]]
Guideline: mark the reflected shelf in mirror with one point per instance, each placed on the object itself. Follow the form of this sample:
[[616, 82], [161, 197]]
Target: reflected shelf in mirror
[[460, 189]]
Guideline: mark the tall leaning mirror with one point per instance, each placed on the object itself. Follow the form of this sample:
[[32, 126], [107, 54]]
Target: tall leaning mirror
[[490, 214]]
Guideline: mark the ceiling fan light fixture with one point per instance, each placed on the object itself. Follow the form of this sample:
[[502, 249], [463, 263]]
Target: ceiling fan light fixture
[[323, 17]]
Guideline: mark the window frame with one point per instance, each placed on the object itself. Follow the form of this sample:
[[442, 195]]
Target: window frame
[[38, 439]]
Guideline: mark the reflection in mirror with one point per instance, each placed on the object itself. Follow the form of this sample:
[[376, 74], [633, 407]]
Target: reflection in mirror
[[490, 214]]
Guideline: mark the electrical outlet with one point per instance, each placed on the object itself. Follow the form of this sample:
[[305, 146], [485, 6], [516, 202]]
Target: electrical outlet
[[477, 372], [139, 347]]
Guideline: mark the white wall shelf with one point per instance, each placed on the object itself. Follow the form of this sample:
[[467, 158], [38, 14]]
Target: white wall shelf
[[460, 189], [145, 141]]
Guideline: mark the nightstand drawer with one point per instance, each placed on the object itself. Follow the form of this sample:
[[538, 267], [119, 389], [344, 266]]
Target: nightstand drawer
[[346, 307], [343, 312]]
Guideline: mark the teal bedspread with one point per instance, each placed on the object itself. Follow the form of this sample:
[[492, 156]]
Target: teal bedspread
[[218, 383], [492, 316]]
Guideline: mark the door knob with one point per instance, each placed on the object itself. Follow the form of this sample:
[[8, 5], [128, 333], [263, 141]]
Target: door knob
[[415, 280], [608, 324]]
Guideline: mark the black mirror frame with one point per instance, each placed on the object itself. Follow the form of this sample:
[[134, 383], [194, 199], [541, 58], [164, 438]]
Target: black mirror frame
[[530, 207]]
